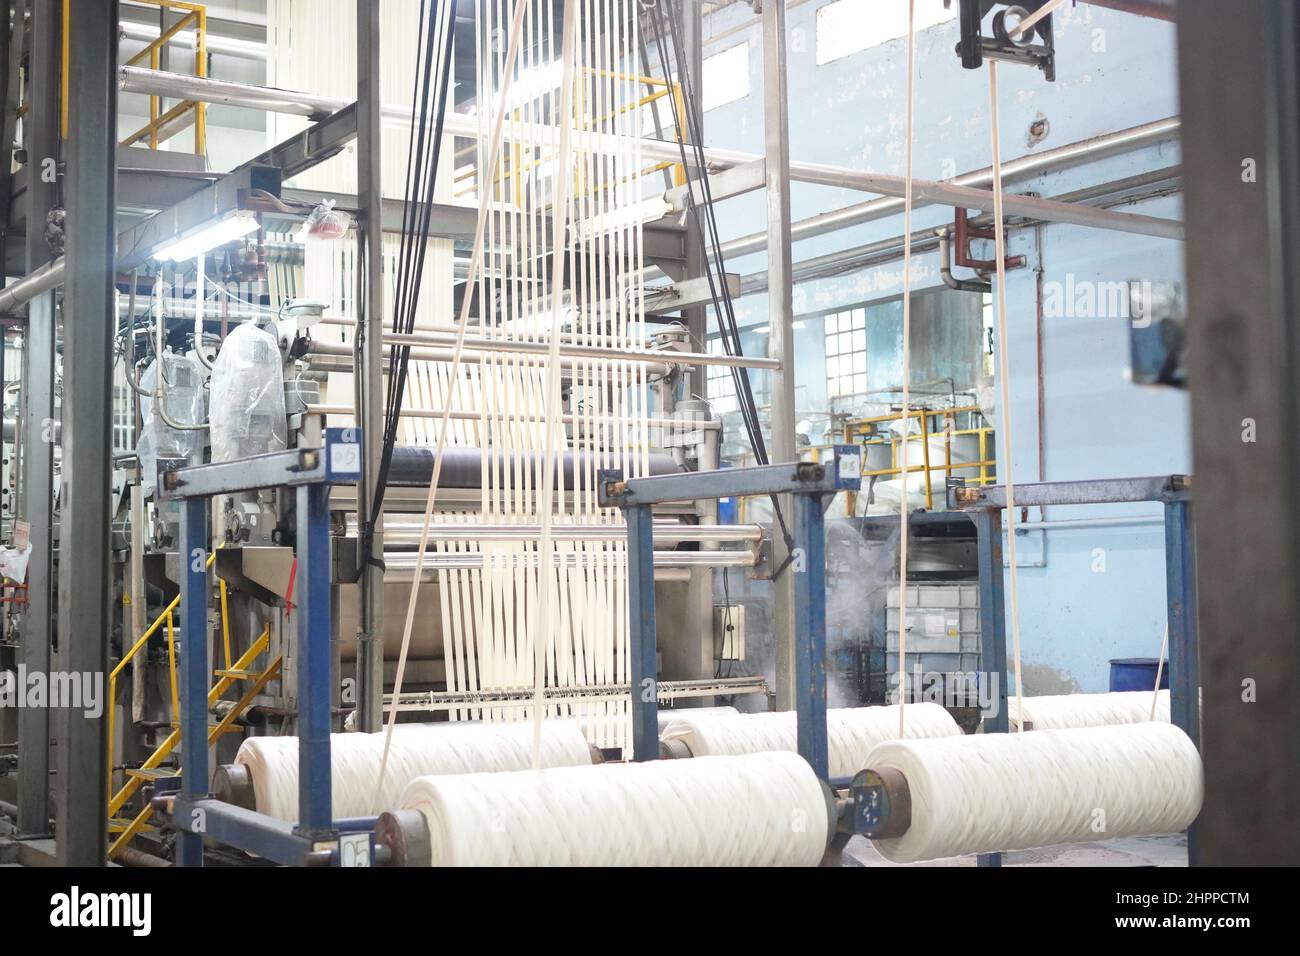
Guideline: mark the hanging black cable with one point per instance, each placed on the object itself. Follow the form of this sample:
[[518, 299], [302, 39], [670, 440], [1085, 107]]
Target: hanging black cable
[[434, 41], [704, 220]]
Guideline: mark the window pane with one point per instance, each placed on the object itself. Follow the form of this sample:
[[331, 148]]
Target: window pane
[[726, 76]]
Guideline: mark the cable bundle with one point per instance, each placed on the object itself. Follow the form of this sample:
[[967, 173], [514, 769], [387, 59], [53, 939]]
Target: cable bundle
[[757, 810], [851, 732], [424, 149]]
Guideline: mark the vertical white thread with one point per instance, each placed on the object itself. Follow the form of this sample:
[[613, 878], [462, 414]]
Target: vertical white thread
[[1004, 376], [475, 259], [907, 375]]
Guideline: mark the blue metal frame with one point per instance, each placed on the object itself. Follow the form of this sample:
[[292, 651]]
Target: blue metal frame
[[194, 813], [811, 484]]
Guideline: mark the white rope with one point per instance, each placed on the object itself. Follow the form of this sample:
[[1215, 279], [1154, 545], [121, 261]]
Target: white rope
[[549, 576], [988, 793], [1029, 22], [1160, 670], [416, 751], [1004, 376], [758, 810], [1064, 711], [476, 257], [907, 373], [851, 732]]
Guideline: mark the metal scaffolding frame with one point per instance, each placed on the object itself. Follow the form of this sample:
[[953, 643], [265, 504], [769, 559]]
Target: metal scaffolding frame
[[87, 436]]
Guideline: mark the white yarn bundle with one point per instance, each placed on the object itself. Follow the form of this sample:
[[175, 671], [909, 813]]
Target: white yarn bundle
[[667, 716], [757, 810], [995, 792], [1064, 711], [417, 750], [851, 732]]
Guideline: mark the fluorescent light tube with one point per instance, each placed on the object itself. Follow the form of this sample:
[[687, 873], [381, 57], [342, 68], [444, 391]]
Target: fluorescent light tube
[[208, 236]]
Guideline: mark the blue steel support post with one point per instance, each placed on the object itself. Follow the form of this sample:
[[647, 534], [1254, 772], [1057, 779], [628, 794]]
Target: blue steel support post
[[1180, 574], [644, 652], [993, 627], [1184, 661], [194, 668], [809, 570], [315, 803]]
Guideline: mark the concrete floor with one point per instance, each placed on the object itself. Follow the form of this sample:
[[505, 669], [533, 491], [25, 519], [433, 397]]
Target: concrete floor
[[1131, 851]]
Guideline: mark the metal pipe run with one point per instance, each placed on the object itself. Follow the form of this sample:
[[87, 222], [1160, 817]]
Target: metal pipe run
[[1025, 167], [338, 357], [401, 532], [459, 415], [597, 352], [405, 561], [457, 124], [19, 293]]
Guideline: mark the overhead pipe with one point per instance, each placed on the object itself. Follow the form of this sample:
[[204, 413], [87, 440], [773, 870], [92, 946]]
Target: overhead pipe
[[945, 268], [457, 124], [1024, 167]]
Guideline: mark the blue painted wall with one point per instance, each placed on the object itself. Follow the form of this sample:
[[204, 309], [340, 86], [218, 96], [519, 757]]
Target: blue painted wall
[[1099, 592]]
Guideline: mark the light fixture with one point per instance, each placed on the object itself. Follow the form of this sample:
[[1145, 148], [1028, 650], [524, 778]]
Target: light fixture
[[200, 239]]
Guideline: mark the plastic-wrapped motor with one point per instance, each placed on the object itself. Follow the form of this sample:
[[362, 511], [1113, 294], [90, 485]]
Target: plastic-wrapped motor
[[248, 416], [184, 394]]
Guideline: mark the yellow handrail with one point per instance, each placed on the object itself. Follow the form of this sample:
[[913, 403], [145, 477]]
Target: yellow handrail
[[165, 748], [196, 17], [164, 616]]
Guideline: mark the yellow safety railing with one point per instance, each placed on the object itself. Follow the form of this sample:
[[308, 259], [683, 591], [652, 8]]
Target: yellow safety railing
[[164, 617], [866, 432], [518, 167], [161, 125], [163, 751]]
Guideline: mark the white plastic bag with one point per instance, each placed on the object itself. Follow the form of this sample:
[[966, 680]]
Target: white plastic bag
[[248, 416], [184, 394]]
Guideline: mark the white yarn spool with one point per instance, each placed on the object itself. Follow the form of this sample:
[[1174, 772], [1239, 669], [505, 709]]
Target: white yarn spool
[[1065, 711], [666, 717], [417, 750], [851, 732], [995, 792], [757, 810]]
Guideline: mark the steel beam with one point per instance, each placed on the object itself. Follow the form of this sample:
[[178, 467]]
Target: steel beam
[[369, 363], [642, 648], [924, 191], [84, 586], [195, 668], [780, 307], [35, 490], [315, 798], [1092, 492], [1241, 160], [809, 578]]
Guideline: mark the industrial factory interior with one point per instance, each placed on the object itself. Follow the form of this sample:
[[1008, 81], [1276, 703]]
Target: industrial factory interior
[[650, 433]]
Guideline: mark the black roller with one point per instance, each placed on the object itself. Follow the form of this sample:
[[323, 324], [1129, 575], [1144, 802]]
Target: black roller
[[412, 466]]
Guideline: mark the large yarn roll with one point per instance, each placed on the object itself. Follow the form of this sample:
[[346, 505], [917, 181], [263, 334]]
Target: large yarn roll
[[417, 750], [1065, 711], [990, 792], [851, 732], [757, 810], [667, 716]]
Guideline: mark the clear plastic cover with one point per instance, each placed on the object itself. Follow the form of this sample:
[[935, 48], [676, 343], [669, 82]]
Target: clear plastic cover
[[248, 416], [184, 394]]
